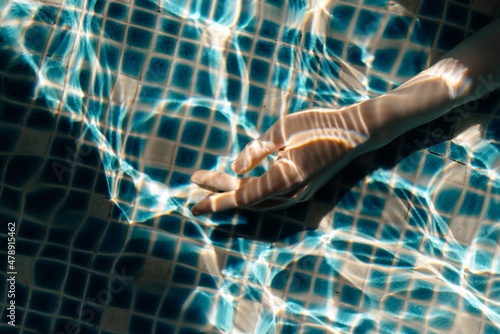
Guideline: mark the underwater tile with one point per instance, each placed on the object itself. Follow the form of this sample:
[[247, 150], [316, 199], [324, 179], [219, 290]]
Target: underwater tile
[[114, 30], [117, 11], [109, 56], [20, 170], [179, 179], [341, 18], [264, 49], [367, 23], [165, 44], [233, 89], [447, 198], [169, 127], [372, 205], [146, 302], [193, 133], [350, 295], [244, 43], [139, 324], [431, 8], [182, 76], [217, 139], [291, 36], [150, 94], [276, 3], [424, 32], [204, 83], [170, 26], [143, 19], [38, 322], [187, 50], [259, 70], [422, 290], [186, 157], [393, 304], [183, 275], [139, 38], [472, 204], [132, 63], [191, 32], [46, 14], [49, 274], [208, 161], [449, 37], [384, 59], [269, 29], [280, 279], [31, 230], [456, 14], [477, 20], [413, 62]]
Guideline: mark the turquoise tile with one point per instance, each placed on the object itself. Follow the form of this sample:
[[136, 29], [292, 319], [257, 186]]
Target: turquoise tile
[[186, 157], [244, 43], [139, 38], [170, 26], [132, 63], [46, 14], [277, 3], [341, 18], [269, 29], [182, 76], [291, 36], [183, 275], [49, 274], [187, 50], [350, 295], [422, 290], [264, 49], [280, 279], [472, 204], [139, 324], [143, 19], [204, 83], [384, 59], [217, 139], [117, 11], [413, 62], [68, 18], [169, 127], [373, 205], [367, 23], [447, 199], [38, 322], [179, 179], [93, 24], [165, 44], [109, 56], [209, 161], [449, 37], [114, 30], [35, 37], [456, 14], [397, 27], [192, 32], [259, 70], [147, 4], [150, 94], [193, 133], [431, 8]]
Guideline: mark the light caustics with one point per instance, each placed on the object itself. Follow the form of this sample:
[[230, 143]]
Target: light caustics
[[79, 79]]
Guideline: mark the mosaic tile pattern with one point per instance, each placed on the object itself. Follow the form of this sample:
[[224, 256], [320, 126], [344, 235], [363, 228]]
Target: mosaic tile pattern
[[110, 103]]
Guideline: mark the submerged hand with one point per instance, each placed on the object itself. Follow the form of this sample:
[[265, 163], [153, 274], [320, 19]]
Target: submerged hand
[[312, 145]]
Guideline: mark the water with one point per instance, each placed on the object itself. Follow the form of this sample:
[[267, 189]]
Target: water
[[403, 240]]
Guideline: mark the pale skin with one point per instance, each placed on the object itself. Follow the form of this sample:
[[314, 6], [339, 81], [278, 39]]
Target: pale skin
[[315, 144]]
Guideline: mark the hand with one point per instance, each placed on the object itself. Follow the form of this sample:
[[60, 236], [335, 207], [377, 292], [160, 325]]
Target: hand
[[313, 146]]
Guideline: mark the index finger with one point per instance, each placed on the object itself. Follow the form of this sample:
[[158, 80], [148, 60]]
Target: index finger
[[280, 178]]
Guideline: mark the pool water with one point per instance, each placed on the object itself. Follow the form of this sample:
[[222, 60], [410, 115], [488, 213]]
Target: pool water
[[108, 107]]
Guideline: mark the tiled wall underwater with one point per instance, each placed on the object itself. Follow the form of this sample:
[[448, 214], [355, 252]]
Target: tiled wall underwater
[[108, 107]]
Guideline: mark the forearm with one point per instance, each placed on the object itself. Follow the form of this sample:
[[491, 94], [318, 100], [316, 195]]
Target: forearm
[[468, 72]]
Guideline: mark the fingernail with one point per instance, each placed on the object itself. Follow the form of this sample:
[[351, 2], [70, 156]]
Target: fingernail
[[195, 211], [236, 166]]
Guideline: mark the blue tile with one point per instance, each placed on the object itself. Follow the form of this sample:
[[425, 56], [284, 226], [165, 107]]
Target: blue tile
[[244, 43], [368, 23], [300, 283], [422, 290], [184, 275], [49, 274], [114, 30], [431, 8], [458, 153], [350, 295], [264, 49], [173, 302], [139, 324], [259, 70], [196, 312], [217, 139], [165, 44], [341, 18], [46, 14], [132, 63], [204, 83], [269, 29], [472, 204], [493, 209], [193, 133], [146, 302], [187, 50], [447, 199], [291, 36], [38, 322], [456, 14], [170, 26], [139, 38], [413, 62], [449, 37], [372, 205], [143, 19], [43, 301], [384, 59], [279, 280], [191, 32], [182, 76], [117, 11]]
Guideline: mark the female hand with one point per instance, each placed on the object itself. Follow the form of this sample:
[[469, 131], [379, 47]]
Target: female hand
[[313, 145]]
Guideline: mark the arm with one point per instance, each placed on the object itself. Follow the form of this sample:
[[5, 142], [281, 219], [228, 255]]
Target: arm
[[316, 144]]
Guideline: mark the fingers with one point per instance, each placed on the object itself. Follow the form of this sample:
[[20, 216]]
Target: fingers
[[217, 180], [280, 178], [258, 149]]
